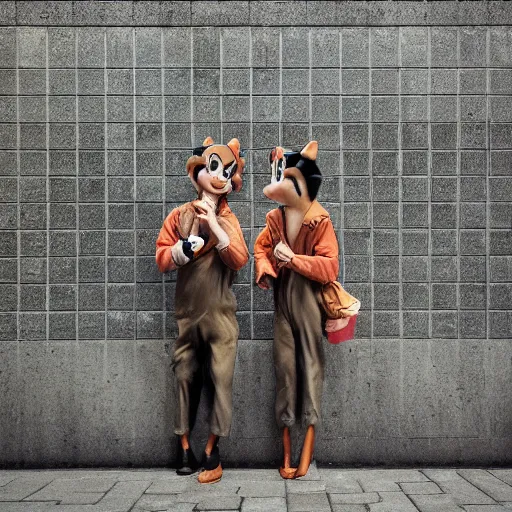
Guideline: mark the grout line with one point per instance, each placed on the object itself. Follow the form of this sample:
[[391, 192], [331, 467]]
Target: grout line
[[341, 188], [400, 233], [370, 174], [192, 131], [47, 126], [164, 189], [280, 87], [221, 88], [115, 24], [77, 162], [105, 170], [400, 204], [250, 161], [310, 98], [457, 206], [134, 107], [487, 183], [458, 144], [18, 170], [429, 180], [77, 188]]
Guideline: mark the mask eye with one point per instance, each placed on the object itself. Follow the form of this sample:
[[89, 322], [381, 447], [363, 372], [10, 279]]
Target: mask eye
[[215, 164], [229, 171], [278, 167]]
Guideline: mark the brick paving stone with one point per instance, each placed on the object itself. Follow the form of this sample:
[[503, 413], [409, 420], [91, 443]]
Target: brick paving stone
[[359, 498], [488, 483], [219, 503], [205, 493], [122, 496], [394, 475], [82, 498], [312, 474], [61, 489], [169, 486], [82, 484], [189, 484], [251, 475], [339, 507], [313, 502], [461, 491], [503, 474], [378, 485], [435, 503], [28, 507], [142, 474], [158, 502], [264, 505], [262, 489], [420, 488], [304, 486], [4, 480], [386, 480], [179, 507], [393, 502], [340, 481], [23, 486], [483, 508]]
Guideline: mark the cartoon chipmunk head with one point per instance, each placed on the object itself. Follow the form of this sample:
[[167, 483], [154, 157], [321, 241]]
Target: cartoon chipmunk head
[[216, 168], [295, 176]]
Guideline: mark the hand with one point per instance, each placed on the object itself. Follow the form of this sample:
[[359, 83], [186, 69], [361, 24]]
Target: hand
[[264, 282], [336, 324], [209, 215], [283, 252], [178, 255]]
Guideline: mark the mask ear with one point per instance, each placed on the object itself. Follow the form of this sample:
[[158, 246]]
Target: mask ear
[[194, 164], [310, 150], [234, 145], [208, 141]]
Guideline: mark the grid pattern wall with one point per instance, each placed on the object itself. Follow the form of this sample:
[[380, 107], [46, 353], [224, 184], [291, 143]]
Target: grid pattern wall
[[415, 132]]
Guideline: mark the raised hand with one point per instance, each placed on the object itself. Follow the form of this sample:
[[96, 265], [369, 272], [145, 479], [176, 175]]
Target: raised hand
[[178, 256], [210, 217], [283, 253], [264, 282]]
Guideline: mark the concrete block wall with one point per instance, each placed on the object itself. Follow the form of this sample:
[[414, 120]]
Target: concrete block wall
[[100, 105]]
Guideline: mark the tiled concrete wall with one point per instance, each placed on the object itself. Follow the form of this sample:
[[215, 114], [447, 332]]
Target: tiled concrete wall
[[411, 102]]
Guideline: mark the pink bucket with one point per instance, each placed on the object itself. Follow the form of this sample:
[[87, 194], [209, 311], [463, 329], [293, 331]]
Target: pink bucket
[[345, 334]]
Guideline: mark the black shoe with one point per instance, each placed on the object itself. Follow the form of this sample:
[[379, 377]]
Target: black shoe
[[187, 463], [213, 460]]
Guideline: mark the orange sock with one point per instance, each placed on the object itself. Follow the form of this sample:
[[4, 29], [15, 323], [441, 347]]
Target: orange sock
[[210, 444], [307, 452]]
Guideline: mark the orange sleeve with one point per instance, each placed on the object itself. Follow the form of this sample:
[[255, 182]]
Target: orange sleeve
[[167, 237], [236, 254], [263, 248], [323, 266]]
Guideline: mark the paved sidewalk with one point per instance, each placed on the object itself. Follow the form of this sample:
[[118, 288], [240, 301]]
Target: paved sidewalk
[[252, 490]]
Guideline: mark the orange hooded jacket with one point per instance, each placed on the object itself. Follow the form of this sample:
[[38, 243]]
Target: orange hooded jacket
[[315, 248]]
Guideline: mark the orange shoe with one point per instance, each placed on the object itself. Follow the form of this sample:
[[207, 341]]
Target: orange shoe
[[212, 469], [210, 476], [287, 473]]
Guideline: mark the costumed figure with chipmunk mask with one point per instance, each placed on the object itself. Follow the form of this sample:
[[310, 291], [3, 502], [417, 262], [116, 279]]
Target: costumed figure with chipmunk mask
[[297, 253], [202, 239]]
